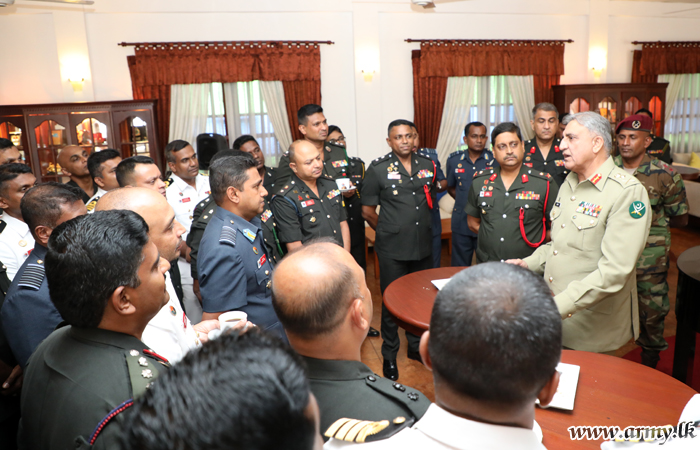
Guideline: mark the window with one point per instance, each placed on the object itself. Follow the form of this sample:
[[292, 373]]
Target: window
[[492, 103], [683, 127]]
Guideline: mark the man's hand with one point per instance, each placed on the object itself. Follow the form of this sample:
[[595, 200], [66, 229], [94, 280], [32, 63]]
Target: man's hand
[[350, 193], [13, 384], [517, 262], [204, 327]]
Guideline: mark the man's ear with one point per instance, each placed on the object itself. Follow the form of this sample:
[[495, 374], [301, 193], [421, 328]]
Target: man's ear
[[302, 129], [358, 313], [532, 124], [598, 144], [547, 393], [423, 350], [120, 301], [388, 142], [65, 172], [3, 203], [43, 233], [293, 166], [232, 195], [647, 141], [100, 182], [171, 166]]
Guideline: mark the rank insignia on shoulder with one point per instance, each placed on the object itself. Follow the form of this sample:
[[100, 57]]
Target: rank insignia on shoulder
[[32, 277], [353, 430], [228, 235], [168, 182], [91, 206]]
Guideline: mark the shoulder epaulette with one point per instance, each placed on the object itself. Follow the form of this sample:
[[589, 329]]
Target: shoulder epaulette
[[356, 158], [482, 172], [457, 153], [33, 276], [90, 206], [327, 177], [424, 156], [621, 176], [663, 166], [142, 371], [542, 175], [430, 151], [204, 201], [354, 430], [168, 182], [284, 189], [3, 224], [382, 158], [228, 235]]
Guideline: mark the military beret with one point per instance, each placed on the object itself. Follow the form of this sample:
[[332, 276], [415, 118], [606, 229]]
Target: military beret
[[636, 122]]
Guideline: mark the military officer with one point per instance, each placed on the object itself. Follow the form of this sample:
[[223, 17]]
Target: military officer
[[440, 186], [669, 207], [331, 347], [403, 183], [659, 147], [72, 160], [249, 144], [91, 370], [462, 165], [309, 205], [233, 266], [543, 154], [16, 241], [600, 223], [9, 153], [508, 206], [103, 170]]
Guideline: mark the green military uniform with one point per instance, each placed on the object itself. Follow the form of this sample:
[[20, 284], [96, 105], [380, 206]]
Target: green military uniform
[[302, 215], [75, 380], [404, 236], [335, 164], [350, 389], [668, 199], [269, 180], [553, 164], [660, 148], [204, 212], [512, 224], [353, 207], [599, 227]]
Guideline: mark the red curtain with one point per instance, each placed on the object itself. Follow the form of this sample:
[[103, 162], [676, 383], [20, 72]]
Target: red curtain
[[665, 57], [155, 67], [428, 102]]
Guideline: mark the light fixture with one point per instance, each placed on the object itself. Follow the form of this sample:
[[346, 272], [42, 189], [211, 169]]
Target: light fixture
[[77, 84], [368, 74], [597, 60]]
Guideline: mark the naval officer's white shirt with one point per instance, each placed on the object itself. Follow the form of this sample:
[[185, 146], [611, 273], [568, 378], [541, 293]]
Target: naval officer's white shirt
[[16, 242], [91, 207], [170, 332]]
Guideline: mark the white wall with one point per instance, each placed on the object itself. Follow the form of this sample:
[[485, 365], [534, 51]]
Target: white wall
[[44, 43]]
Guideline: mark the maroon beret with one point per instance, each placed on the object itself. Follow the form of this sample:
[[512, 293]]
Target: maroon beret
[[637, 122]]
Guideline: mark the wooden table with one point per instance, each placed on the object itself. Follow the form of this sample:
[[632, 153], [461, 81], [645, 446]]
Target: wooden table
[[687, 172], [611, 391]]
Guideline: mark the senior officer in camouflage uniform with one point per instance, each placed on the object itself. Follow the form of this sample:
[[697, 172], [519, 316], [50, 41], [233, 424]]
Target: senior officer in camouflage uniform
[[462, 165], [508, 206], [403, 183], [600, 222], [669, 208], [233, 266], [309, 205], [327, 318], [543, 153]]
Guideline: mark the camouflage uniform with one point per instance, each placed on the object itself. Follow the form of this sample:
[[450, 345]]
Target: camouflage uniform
[[668, 199]]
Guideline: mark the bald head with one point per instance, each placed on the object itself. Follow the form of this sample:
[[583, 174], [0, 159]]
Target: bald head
[[73, 161], [332, 280], [134, 199]]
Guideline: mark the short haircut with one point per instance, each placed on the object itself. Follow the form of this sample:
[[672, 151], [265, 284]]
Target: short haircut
[[229, 171], [496, 334], [505, 127], [125, 169], [5, 144], [9, 172], [398, 123], [88, 258], [596, 124], [242, 140], [645, 111], [307, 111], [96, 159], [563, 116], [333, 129], [472, 124], [41, 205], [244, 391], [324, 306], [172, 147], [544, 106]]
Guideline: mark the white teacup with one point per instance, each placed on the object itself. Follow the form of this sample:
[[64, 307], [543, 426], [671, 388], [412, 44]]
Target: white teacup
[[344, 184], [229, 319]]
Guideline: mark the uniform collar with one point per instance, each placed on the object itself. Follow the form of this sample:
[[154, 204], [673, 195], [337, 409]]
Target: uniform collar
[[20, 227], [98, 194], [39, 251], [643, 167], [182, 184], [414, 163], [331, 369], [305, 187], [238, 222], [108, 337], [601, 175]]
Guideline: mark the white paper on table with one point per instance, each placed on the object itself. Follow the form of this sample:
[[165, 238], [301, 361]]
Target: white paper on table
[[566, 392], [439, 284]]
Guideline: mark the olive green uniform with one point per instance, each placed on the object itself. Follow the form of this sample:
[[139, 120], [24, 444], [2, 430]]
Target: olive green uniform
[[302, 215], [668, 199], [553, 164], [404, 236], [660, 148], [510, 215], [350, 389], [599, 227], [353, 208]]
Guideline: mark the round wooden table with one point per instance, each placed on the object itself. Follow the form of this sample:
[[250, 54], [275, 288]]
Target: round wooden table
[[687, 173], [611, 391]]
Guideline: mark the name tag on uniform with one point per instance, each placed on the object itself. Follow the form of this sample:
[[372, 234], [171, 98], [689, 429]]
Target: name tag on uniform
[[308, 203], [559, 162], [527, 195], [425, 174], [262, 260], [486, 194], [333, 193], [589, 209], [459, 170], [266, 215], [527, 164], [393, 176], [339, 163], [185, 200]]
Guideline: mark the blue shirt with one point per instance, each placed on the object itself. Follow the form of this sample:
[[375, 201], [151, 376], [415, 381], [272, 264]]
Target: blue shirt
[[440, 175], [235, 271], [460, 172]]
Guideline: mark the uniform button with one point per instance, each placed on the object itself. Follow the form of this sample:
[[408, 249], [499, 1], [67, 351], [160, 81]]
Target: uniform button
[[231, 221], [372, 378], [413, 396], [399, 387], [573, 197], [507, 194], [411, 178], [328, 215], [502, 239], [205, 217], [267, 272], [335, 232], [551, 279], [504, 216], [563, 225], [414, 193], [527, 206], [555, 252], [578, 228], [416, 223], [483, 203], [569, 315], [416, 207], [545, 163], [211, 211], [592, 222]]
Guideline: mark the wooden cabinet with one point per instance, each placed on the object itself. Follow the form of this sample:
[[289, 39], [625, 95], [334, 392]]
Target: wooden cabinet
[[42, 130], [614, 101]]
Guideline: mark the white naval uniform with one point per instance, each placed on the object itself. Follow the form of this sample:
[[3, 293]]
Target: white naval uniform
[[184, 199], [439, 429], [170, 332], [16, 243], [100, 192]]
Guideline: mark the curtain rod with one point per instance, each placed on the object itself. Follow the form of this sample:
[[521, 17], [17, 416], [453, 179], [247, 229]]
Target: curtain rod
[[486, 40], [664, 42], [136, 44]]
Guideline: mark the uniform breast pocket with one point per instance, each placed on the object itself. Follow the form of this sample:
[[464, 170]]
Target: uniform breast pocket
[[262, 275], [310, 218], [532, 209], [485, 203], [586, 232]]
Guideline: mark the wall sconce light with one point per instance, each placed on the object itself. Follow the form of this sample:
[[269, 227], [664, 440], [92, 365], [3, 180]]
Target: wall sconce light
[[77, 84], [368, 74], [597, 61]]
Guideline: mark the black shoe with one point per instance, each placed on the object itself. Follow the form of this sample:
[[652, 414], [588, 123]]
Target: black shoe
[[391, 370], [373, 332], [650, 358], [415, 356]]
